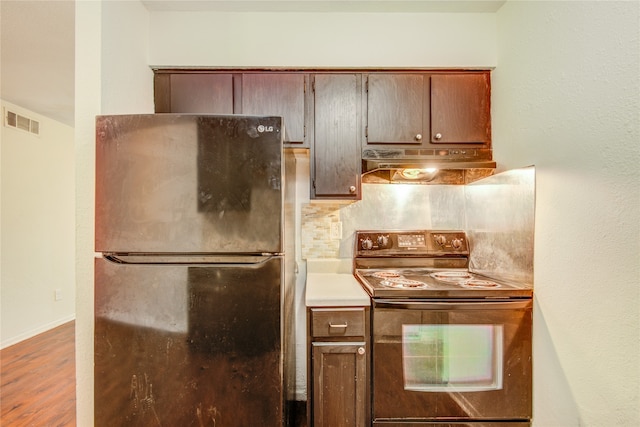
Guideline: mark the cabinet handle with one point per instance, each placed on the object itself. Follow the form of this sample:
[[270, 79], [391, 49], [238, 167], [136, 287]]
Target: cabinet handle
[[419, 137], [341, 325], [360, 350], [437, 136], [352, 189]]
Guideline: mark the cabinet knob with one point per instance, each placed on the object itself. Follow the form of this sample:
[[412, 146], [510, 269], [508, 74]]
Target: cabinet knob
[[360, 350], [437, 136], [419, 137], [352, 189]]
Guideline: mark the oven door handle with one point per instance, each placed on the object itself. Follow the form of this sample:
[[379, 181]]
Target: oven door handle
[[503, 304]]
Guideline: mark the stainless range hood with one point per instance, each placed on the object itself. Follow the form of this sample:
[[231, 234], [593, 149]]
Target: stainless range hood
[[447, 166]]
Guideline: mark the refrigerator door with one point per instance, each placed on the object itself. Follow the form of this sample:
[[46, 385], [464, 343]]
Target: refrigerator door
[[180, 345], [170, 183]]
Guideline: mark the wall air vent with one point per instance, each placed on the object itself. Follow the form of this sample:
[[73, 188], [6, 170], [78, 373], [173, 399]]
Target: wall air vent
[[14, 120]]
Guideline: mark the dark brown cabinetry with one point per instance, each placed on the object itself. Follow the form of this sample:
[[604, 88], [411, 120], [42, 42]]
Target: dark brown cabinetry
[[249, 93], [397, 108], [346, 116], [337, 369], [198, 93], [335, 150], [277, 94], [428, 108], [460, 108]]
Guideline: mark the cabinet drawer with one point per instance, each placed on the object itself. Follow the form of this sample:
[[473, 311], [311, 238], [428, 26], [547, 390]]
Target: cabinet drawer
[[334, 322]]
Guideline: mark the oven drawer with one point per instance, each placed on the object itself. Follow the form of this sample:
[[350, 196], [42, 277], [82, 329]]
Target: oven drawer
[[338, 322]]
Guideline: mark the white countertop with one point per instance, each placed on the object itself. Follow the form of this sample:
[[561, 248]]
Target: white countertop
[[330, 283]]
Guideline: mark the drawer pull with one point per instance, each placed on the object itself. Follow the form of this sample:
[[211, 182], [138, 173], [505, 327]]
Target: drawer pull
[[341, 325]]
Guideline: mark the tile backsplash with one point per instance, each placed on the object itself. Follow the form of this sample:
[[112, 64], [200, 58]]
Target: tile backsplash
[[316, 226]]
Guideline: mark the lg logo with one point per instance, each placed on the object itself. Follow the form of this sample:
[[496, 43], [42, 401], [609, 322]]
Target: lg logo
[[262, 128]]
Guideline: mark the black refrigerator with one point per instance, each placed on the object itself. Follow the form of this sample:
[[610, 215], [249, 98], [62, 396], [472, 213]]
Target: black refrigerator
[[194, 271]]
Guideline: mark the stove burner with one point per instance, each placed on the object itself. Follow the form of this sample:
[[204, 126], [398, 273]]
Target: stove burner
[[386, 274], [399, 282], [451, 276], [481, 284]]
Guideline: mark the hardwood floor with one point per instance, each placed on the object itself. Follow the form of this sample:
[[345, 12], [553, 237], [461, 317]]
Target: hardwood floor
[[38, 380]]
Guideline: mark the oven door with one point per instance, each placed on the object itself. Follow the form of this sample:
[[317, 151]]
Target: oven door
[[451, 361]]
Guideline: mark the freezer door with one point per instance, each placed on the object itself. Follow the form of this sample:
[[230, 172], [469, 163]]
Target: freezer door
[[182, 345], [170, 183]]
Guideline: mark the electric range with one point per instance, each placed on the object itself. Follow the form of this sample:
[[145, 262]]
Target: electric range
[[424, 264], [449, 347]]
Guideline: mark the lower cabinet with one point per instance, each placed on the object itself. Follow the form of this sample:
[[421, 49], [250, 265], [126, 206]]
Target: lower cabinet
[[339, 387], [338, 365]]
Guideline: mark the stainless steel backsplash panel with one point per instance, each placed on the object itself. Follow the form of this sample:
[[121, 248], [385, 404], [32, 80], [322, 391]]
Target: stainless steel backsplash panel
[[500, 225]]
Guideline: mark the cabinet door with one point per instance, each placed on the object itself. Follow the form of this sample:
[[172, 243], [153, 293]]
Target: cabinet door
[[276, 94], [460, 108], [397, 108], [339, 384], [336, 161], [201, 93]]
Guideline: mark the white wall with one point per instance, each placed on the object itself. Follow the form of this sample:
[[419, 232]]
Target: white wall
[[322, 39], [566, 96], [38, 228], [127, 79]]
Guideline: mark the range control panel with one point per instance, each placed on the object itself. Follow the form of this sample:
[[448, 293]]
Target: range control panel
[[414, 242]]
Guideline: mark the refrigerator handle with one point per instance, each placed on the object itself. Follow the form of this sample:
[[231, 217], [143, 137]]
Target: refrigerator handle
[[230, 260]]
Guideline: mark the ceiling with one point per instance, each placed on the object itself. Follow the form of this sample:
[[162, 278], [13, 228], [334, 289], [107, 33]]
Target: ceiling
[[37, 56], [37, 40]]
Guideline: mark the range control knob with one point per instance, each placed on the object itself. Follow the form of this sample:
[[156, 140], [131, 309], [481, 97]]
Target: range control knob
[[366, 243], [440, 239], [383, 240], [457, 244]]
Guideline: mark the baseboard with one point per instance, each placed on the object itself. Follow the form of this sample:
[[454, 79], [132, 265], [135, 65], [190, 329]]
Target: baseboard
[[36, 331]]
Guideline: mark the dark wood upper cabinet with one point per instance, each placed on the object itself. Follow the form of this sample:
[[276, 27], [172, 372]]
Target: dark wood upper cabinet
[[460, 108], [201, 93], [277, 94], [344, 116], [397, 108], [335, 151], [418, 109], [255, 93]]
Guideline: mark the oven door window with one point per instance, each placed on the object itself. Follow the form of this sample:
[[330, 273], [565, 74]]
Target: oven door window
[[452, 357]]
